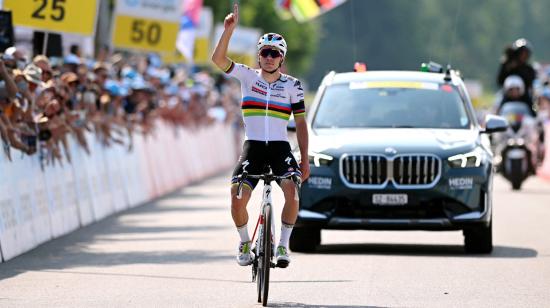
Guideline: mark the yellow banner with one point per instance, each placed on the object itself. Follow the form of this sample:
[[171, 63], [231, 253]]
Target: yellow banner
[[145, 34], [202, 50], [201, 54], [393, 84], [70, 16], [174, 57], [249, 60]]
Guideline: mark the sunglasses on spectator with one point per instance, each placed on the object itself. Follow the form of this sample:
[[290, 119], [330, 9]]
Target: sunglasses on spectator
[[274, 53]]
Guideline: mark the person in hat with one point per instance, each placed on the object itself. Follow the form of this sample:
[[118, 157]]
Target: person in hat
[[18, 55], [516, 62], [43, 63], [34, 75], [71, 63], [11, 113], [71, 81], [101, 71]]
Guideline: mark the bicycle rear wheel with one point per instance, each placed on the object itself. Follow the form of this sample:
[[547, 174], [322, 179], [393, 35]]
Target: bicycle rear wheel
[[266, 260]]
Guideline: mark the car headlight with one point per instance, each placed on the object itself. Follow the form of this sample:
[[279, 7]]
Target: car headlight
[[467, 160], [319, 159]]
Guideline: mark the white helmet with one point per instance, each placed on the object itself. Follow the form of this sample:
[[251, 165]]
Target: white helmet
[[514, 81], [274, 40]]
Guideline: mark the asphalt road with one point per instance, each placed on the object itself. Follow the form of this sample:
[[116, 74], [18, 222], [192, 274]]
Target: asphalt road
[[179, 252]]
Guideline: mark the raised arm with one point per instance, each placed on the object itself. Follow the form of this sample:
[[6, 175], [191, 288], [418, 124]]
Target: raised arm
[[219, 57], [11, 87]]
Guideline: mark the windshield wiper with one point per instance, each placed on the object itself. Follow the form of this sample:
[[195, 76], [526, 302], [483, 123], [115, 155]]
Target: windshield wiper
[[403, 126], [393, 126]]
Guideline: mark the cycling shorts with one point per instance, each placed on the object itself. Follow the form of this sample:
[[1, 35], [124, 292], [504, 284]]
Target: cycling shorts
[[258, 155]]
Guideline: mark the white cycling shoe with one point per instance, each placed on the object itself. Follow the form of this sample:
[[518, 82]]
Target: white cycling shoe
[[283, 259], [245, 255]]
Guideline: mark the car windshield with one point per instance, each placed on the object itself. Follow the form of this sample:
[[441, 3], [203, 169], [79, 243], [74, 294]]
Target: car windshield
[[425, 105]]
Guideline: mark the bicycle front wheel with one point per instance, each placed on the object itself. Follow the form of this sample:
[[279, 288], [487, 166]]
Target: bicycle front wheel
[[266, 260], [258, 264]]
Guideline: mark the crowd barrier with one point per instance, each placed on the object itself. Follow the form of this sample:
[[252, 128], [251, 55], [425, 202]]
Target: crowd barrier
[[544, 169], [39, 205]]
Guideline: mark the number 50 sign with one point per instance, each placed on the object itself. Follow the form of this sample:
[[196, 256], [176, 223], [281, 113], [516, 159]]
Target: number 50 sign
[[70, 16], [151, 25]]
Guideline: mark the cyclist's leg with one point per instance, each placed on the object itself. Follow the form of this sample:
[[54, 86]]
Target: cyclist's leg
[[251, 161], [282, 163], [238, 206]]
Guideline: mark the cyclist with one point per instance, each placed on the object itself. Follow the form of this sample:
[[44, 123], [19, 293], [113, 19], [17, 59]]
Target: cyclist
[[268, 99]]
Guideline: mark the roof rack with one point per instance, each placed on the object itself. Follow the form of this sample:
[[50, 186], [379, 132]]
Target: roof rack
[[431, 67], [448, 73]]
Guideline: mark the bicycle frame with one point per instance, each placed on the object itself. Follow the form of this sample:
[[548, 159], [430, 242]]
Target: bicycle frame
[[266, 199]]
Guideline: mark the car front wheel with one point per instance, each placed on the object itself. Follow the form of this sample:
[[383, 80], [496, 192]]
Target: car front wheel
[[305, 239], [479, 239]]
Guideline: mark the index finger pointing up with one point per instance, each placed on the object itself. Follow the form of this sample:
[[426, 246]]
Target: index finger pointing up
[[236, 10]]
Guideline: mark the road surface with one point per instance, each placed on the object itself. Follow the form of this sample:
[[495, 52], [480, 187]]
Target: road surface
[[179, 251]]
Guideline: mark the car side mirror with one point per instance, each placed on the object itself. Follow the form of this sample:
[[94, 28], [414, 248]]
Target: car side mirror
[[291, 127], [495, 124]]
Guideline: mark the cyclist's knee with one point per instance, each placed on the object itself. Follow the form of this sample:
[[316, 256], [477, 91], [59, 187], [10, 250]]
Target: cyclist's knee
[[245, 195], [288, 187]]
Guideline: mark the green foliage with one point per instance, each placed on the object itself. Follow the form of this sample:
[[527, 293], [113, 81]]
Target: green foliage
[[301, 38], [399, 34]]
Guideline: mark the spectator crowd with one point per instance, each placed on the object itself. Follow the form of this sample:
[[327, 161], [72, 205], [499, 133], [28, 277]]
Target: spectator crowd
[[44, 101]]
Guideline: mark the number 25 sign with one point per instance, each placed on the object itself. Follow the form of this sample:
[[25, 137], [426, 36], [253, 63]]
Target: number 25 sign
[[69, 16]]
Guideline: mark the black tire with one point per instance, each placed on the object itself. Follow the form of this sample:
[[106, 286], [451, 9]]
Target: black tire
[[259, 274], [305, 239], [266, 259], [479, 239], [516, 174]]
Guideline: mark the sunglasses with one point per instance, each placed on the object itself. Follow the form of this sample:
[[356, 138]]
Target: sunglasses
[[274, 53]]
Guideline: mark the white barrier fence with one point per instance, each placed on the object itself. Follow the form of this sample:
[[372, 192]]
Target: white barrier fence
[[544, 169], [37, 206]]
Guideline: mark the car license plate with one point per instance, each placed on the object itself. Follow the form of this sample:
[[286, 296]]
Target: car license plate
[[390, 199]]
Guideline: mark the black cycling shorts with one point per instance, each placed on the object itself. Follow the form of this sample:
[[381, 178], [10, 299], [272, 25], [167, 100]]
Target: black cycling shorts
[[258, 155]]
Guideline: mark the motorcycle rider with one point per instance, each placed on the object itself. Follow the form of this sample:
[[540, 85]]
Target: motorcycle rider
[[513, 90], [516, 62]]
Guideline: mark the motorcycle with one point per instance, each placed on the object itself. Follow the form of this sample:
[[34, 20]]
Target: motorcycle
[[517, 148]]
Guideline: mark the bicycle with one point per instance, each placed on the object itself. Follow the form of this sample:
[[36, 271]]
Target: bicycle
[[263, 259]]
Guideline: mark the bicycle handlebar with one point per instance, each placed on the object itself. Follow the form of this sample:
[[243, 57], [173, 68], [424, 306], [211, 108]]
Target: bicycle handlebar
[[295, 176]]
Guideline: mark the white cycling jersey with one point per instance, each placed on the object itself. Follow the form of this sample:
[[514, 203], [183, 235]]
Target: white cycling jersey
[[266, 107]]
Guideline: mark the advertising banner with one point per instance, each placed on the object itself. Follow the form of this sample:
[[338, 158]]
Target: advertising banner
[[69, 16], [148, 25]]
